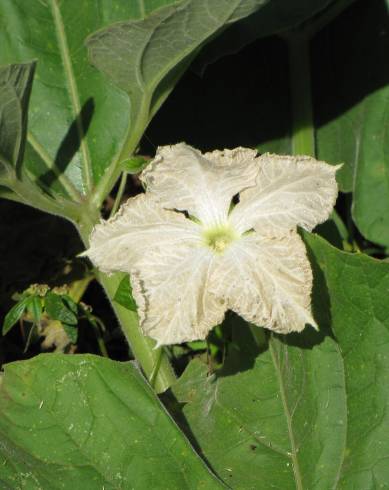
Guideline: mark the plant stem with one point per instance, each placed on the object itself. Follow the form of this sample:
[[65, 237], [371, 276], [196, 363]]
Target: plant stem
[[153, 361], [142, 347], [134, 134], [303, 137], [31, 195], [78, 288], [119, 194], [155, 371]]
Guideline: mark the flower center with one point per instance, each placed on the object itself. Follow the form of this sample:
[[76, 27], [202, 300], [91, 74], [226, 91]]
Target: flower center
[[219, 238]]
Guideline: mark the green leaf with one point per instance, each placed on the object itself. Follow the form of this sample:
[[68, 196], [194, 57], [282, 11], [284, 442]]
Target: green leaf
[[70, 303], [305, 410], [57, 308], [197, 345], [14, 314], [77, 119], [71, 332], [89, 422], [352, 113], [157, 50], [123, 295], [35, 308], [154, 46], [15, 89]]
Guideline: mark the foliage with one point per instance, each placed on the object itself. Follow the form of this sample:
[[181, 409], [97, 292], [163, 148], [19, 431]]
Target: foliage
[[106, 444], [79, 84]]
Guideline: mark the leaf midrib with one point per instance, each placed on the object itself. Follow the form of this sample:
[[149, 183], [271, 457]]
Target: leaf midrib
[[154, 83], [73, 91], [293, 446]]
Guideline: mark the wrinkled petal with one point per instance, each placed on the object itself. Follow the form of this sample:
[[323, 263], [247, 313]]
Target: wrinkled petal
[[170, 287], [267, 281], [180, 177], [139, 227], [290, 191]]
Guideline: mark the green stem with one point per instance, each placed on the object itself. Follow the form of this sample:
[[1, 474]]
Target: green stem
[[30, 194], [155, 371], [134, 134], [78, 288], [119, 194], [142, 347], [100, 341], [153, 362], [303, 136]]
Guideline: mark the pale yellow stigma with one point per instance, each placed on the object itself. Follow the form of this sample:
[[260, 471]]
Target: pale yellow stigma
[[219, 238]]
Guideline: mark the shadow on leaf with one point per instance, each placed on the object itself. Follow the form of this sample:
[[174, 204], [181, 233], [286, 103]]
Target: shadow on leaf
[[71, 143]]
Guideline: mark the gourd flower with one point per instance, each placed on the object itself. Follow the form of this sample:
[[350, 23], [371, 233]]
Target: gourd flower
[[216, 232]]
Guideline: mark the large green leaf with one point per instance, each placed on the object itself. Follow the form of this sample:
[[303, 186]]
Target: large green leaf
[[352, 112], [15, 90], [305, 410], [77, 120], [86, 422], [145, 58], [15, 183], [162, 41]]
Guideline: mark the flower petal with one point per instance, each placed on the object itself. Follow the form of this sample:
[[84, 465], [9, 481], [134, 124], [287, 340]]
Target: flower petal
[[180, 177], [170, 287], [290, 191], [267, 281], [139, 227]]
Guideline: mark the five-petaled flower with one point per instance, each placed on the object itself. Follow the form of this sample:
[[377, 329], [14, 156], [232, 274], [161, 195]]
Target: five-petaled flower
[[192, 253]]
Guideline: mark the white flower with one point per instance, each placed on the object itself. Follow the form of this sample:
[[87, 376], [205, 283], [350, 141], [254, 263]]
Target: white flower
[[191, 255]]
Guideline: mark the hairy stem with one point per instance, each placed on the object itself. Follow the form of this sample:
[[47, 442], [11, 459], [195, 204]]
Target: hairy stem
[[303, 136]]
